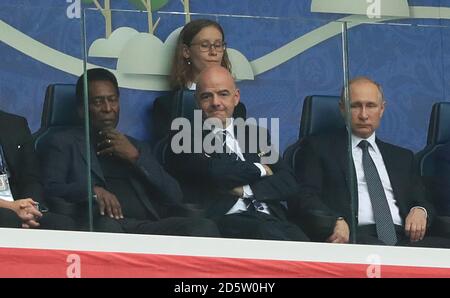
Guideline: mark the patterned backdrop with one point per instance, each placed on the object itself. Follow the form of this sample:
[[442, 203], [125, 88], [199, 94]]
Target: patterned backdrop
[[411, 62]]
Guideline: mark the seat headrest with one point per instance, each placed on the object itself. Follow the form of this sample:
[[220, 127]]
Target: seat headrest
[[186, 104], [60, 106], [439, 128], [320, 114]]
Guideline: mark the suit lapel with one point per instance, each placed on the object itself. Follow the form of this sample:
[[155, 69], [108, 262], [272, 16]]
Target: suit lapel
[[390, 164], [341, 148], [95, 166]]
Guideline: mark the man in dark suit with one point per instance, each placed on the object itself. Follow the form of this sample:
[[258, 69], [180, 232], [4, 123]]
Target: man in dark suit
[[21, 195], [132, 191], [239, 191], [323, 173]]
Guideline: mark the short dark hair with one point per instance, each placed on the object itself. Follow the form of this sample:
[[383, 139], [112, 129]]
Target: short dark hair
[[95, 74]]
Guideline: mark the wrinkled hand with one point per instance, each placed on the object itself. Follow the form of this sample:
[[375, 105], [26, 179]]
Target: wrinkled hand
[[268, 170], [341, 232], [416, 224], [117, 144], [27, 212], [108, 203]]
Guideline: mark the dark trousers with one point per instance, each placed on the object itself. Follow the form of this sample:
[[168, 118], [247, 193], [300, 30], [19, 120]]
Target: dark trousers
[[368, 235], [9, 219], [50, 221], [53, 221], [258, 225], [176, 226]]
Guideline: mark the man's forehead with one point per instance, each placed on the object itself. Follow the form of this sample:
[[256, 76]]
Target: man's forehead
[[215, 89], [364, 92], [215, 76]]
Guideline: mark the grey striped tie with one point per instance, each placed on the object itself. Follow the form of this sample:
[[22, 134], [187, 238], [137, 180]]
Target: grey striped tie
[[225, 148], [382, 214]]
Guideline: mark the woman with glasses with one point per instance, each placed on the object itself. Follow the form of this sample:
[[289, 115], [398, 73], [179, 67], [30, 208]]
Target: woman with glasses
[[201, 43]]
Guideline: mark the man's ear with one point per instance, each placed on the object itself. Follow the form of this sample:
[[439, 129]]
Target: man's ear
[[383, 107], [237, 97]]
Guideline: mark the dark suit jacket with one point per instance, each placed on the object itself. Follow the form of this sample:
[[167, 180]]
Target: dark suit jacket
[[64, 172], [207, 178], [18, 147], [322, 171]]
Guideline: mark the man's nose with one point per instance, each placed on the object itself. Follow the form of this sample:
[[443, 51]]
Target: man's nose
[[363, 113], [106, 106], [215, 101]]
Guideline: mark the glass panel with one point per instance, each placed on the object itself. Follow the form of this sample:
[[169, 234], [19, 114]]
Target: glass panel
[[407, 58], [42, 57], [277, 62], [408, 61]]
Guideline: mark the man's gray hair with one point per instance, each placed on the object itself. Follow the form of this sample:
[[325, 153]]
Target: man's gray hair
[[362, 78]]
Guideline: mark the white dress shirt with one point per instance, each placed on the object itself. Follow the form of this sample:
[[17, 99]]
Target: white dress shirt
[[233, 146], [365, 210], [193, 87]]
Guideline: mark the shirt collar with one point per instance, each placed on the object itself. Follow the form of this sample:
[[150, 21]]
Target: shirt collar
[[193, 87], [356, 140], [229, 129]]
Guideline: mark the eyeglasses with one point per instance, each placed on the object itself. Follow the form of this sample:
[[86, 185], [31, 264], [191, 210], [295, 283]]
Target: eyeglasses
[[206, 46]]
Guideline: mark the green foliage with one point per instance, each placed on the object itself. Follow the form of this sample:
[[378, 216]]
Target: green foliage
[[156, 4]]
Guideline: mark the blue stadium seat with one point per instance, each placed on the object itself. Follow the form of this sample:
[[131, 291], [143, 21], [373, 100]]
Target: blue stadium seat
[[438, 135], [320, 114], [59, 113]]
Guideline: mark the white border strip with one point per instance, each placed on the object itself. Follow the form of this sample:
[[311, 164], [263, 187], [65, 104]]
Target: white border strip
[[224, 248]]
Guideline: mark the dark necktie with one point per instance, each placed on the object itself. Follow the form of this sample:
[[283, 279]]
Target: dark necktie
[[250, 203], [253, 205], [223, 134], [382, 214]]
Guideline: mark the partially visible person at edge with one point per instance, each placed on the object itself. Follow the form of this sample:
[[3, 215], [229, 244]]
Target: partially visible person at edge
[[22, 202]]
